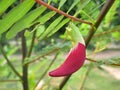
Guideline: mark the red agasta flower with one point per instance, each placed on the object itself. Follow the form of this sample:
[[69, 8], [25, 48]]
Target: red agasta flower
[[76, 56]]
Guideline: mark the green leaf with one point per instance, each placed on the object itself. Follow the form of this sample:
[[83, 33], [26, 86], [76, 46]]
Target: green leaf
[[15, 14], [45, 17], [4, 4], [73, 5], [25, 22], [110, 15], [27, 33], [40, 30], [51, 27], [61, 3], [59, 26]]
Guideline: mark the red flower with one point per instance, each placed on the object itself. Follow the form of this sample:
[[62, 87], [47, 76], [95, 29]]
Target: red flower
[[74, 61]]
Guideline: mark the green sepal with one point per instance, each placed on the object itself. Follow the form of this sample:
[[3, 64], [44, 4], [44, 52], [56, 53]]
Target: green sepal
[[74, 34]]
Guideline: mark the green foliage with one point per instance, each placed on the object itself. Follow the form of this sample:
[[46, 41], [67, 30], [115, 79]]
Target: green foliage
[[15, 14], [62, 23], [61, 3], [51, 27], [25, 22], [111, 14], [4, 4]]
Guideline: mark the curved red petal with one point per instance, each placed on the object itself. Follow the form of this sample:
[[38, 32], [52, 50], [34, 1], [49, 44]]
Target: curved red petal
[[74, 61]]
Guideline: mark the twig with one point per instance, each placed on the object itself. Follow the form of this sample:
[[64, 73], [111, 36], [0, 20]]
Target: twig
[[25, 67], [32, 44], [63, 13], [91, 60], [9, 81], [85, 76], [106, 32], [38, 58], [102, 14], [42, 76], [9, 63]]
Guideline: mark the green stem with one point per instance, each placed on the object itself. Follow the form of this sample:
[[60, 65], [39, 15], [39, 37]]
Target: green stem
[[9, 63], [106, 32], [85, 76], [9, 81], [101, 16], [47, 69], [32, 44], [38, 58]]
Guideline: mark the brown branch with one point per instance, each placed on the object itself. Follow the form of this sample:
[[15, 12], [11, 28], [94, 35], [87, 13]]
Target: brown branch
[[102, 14], [63, 13], [9, 63], [25, 67]]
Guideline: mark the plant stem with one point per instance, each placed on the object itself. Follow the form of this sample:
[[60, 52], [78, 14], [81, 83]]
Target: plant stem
[[42, 76], [32, 44], [106, 32], [24, 52], [9, 81], [62, 13], [101, 16], [96, 61], [38, 58], [85, 76], [9, 63], [25, 67]]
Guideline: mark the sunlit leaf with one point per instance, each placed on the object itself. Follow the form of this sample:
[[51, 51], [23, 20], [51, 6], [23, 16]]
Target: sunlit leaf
[[15, 14], [73, 5], [45, 17], [25, 22], [59, 26], [51, 27], [4, 4], [62, 2]]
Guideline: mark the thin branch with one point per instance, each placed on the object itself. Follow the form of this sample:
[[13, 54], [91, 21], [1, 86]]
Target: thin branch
[[38, 58], [91, 60], [32, 44], [64, 81], [85, 76], [63, 13], [42, 76], [9, 81], [25, 67], [106, 32], [9, 63], [102, 14]]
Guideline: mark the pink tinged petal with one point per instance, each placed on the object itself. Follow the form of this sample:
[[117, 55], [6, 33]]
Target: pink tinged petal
[[74, 61]]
